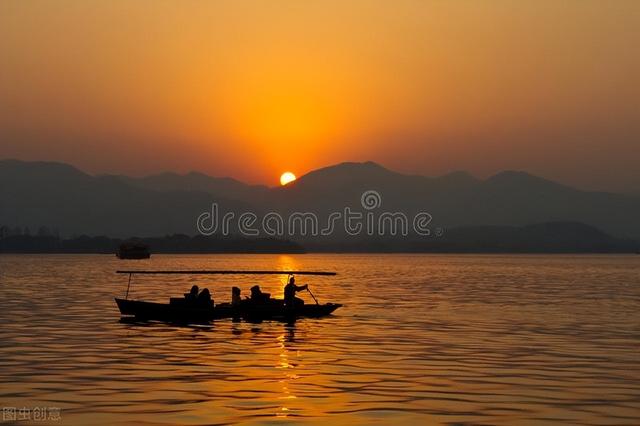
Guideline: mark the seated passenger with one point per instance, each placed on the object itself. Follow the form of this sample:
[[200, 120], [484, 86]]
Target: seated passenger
[[257, 295], [204, 299], [192, 295], [235, 296]]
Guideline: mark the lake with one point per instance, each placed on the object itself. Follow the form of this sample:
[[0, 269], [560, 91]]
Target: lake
[[422, 339]]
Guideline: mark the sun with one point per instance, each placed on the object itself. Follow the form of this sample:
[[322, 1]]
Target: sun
[[287, 177]]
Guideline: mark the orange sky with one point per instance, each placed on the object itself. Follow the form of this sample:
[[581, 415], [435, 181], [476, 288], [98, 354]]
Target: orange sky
[[253, 88]]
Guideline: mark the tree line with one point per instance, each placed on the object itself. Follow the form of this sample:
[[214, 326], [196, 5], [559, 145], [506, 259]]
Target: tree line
[[48, 240]]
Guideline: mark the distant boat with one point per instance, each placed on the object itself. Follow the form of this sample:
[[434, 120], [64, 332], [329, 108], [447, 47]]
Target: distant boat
[[133, 250]]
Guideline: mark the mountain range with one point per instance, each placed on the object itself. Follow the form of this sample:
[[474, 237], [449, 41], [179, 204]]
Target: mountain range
[[60, 196]]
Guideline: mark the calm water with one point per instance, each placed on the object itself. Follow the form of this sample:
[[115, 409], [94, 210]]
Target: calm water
[[422, 339]]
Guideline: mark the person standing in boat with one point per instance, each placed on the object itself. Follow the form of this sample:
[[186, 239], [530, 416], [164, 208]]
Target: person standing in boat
[[290, 290]]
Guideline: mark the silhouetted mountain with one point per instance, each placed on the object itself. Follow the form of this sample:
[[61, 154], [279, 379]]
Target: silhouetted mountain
[[221, 187], [332, 188], [62, 197], [508, 198], [552, 237]]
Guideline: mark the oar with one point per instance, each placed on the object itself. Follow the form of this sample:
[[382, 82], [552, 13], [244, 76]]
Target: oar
[[314, 298]]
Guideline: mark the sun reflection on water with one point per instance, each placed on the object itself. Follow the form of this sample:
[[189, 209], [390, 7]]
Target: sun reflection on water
[[287, 366], [285, 263]]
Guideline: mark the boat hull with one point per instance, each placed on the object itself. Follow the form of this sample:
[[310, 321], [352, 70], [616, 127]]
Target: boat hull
[[133, 256], [248, 311]]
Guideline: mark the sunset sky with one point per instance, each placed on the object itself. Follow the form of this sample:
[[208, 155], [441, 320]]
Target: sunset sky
[[251, 89]]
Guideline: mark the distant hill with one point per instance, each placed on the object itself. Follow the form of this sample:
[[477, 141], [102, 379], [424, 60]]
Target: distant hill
[[509, 198], [556, 237], [552, 237], [225, 187], [60, 196]]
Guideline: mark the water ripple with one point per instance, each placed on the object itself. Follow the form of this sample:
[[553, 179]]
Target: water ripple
[[422, 339]]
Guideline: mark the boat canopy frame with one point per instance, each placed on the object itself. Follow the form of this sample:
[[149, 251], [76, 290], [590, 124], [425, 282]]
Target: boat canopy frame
[[226, 272], [217, 272]]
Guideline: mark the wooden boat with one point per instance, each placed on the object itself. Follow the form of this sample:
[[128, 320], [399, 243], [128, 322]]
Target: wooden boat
[[133, 250], [181, 310], [167, 312]]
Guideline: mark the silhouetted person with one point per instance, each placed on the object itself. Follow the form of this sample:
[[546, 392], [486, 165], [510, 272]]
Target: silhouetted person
[[235, 296], [290, 290], [257, 295], [192, 296], [204, 299]]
